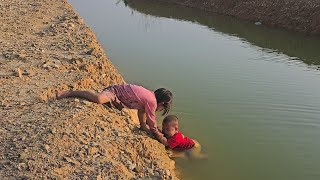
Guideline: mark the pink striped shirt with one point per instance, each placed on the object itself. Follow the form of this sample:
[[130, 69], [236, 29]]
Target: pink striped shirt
[[137, 97]]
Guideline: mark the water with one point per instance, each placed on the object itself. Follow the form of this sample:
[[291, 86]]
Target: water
[[247, 93]]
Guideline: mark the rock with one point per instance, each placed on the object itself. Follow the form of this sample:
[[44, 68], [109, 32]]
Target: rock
[[25, 72], [148, 161], [23, 157], [86, 134], [167, 172], [18, 73], [10, 54], [48, 65], [92, 150], [258, 23], [72, 161], [71, 25], [90, 52], [138, 169], [22, 56], [46, 147], [53, 130], [22, 166], [130, 165], [55, 66], [87, 103]]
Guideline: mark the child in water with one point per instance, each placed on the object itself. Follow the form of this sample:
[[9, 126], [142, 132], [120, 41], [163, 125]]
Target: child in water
[[133, 97], [175, 140]]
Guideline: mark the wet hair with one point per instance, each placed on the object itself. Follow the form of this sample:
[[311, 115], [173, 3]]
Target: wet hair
[[170, 118], [164, 96]]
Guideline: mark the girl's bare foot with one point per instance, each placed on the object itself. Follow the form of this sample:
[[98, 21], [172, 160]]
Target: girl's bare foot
[[63, 94]]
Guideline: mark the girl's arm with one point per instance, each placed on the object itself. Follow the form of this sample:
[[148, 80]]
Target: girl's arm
[[162, 139], [143, 126]]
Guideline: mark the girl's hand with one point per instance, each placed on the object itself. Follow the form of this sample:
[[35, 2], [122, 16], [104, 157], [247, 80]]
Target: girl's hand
[[162, 139]]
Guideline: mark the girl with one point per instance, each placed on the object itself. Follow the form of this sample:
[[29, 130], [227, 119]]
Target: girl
[[133, 97]]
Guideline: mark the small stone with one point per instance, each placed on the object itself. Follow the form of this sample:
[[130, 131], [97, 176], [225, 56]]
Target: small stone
[[55, 66], [22, 103], [76, 100], [46, 147], [87, 103], [53, 130], [86, 133], [25, 72], [72, 161], [258, 23], [156, 174], [22, 166], [90, 52], [148, 161], [18, 73], [138, 169], [22, 56], [130, 165], [46, 66], [23, 157], [92, 150], [71, 25], [167, 172]]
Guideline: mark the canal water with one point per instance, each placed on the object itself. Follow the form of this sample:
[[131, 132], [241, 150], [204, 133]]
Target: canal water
[[249, 94]]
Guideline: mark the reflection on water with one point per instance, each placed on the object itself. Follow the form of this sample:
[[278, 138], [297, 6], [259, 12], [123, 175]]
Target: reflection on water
[[304, 47]]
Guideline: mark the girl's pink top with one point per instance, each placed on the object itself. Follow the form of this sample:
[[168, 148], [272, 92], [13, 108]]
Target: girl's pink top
[[137, 97]]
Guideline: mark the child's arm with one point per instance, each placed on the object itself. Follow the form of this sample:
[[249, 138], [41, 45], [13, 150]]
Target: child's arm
[[162, 139]]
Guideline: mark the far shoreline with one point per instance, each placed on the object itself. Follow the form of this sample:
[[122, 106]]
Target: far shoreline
[[299, 16]]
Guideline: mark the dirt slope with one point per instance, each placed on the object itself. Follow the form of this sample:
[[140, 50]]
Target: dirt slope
[[44, 47]]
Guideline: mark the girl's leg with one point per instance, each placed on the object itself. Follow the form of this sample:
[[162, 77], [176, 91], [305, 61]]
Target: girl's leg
[[91, 96]]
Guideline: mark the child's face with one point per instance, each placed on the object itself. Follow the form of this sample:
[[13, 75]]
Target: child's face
[[170, 129]]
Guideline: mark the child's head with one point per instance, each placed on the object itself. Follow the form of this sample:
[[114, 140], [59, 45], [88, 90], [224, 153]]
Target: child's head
[[164, 100], [170, 125]]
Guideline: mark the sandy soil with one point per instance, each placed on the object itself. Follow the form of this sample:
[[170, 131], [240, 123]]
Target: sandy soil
[[44, 47], [295, 15]]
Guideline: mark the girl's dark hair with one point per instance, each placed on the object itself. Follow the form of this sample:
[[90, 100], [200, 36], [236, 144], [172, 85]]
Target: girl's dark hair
[[164, 96]]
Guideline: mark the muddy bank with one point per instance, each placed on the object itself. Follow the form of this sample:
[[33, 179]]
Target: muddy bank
[[44, 47], [301, 15]]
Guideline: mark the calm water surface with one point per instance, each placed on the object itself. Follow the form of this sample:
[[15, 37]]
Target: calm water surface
[[248, 94]]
